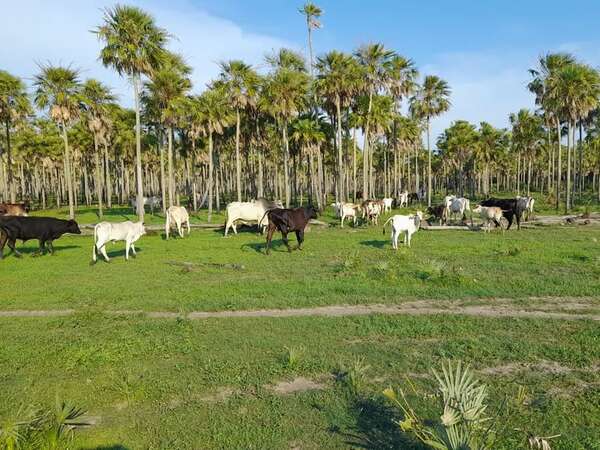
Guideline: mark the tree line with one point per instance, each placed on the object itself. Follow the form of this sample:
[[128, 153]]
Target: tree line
[[348, 125]]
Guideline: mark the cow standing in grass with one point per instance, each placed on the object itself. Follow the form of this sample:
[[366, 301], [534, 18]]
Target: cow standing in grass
[[286, 221], [408, 225], [106, 232], [177, 215], [45, 229], [14, 209]]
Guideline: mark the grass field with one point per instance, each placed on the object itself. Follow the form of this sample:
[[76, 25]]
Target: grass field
[[173, 382]]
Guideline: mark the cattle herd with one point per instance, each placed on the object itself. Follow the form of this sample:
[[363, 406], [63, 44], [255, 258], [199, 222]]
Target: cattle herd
[[16, 224]]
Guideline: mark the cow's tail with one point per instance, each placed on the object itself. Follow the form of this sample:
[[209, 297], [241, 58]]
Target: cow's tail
[[386, 222], [263, 217]]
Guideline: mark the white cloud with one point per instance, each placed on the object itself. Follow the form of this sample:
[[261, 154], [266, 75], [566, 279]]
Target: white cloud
[[39, 31]]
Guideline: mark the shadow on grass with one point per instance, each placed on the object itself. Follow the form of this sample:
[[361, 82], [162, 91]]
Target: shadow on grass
[[375, 428], [107, 447], [374, 243], [31, 250]]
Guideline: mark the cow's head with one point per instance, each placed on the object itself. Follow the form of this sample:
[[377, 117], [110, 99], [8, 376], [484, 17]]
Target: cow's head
[[141, 229], [72, 227], [311, 212]]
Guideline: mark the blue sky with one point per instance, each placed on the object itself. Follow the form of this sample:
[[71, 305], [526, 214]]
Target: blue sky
[[483, 48]]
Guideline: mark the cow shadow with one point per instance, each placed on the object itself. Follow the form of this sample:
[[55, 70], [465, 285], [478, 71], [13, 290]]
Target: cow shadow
[[277, 246], [374, 243], [374, 428], [107, 447], [31, 250]]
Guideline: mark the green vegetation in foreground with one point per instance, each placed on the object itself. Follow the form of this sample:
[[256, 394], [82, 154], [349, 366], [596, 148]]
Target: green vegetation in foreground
[[155, 383], [337, 266]]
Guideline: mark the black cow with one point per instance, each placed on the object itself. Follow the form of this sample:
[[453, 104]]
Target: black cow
[[287, 220], [413, 197], [44, 229], [438, 212], [510, 209]]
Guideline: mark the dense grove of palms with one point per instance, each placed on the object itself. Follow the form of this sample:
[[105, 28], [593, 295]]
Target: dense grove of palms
[[348, 126]]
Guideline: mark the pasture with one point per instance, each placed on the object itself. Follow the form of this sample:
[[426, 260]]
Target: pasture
[[125, 340]]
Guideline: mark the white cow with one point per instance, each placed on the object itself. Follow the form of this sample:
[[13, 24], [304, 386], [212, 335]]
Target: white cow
[[408, 225], [387, 204], [456, 205], [371, 209], [343, 210], [403, 199], [179, 216], [525, 204], [153, 202], [105, 232], [249, 212], [489, 215]]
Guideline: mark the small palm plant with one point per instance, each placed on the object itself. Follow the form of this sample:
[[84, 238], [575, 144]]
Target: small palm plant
[[463, 424]]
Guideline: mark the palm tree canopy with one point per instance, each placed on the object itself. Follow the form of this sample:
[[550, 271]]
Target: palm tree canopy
[[307, 133], [286, 59], [339, 77], [241, 83], [576, 89], [285, 93], [58, 88], [14, 102], [401, 77], [133, 44], [376, 60], [432, 99], [312, 13], [212, 112]]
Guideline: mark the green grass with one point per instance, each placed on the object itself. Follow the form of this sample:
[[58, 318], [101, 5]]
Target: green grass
[[178, 383]]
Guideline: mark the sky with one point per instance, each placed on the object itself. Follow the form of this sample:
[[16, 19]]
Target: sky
[[483, 48]]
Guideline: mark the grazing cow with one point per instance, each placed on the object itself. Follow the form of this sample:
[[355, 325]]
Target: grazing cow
[[387, 204], [343, 210], [371, 209], [489, 215], [402, 200], [438, 212], [106, 232], [44, 229], [153, 202], [510, 209], [457, 206], [408, 225], [179, 216], [14, 209], [286, 221], [413, 197], [526, 205], [249, 212]]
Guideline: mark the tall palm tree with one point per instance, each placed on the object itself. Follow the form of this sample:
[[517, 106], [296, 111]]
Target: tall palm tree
[[337, 80], [285, 96], [375, 60], [431, 100], [527, 133], [14, 107], [212, 113], [58, 89], [166, 87], [547, 97], [241, 85], [133, 46], [312, 13], [95, 98], [307, 133]]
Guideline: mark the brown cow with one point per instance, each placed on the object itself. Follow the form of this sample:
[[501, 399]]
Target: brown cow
[[286, 220], [14, 209]]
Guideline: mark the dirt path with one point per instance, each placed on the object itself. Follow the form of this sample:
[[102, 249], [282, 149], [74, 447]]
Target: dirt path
[[561, 308]]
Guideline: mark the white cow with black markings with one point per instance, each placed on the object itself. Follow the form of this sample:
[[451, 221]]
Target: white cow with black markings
[[177, 215], [106, 232], [408, 225]]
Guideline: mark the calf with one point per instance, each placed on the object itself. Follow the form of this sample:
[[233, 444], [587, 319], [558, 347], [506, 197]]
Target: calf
[[408, 225], [343, 210], [286, 221], [510, 209], [402, 200], [44, 229], [387, 204], [14, 209], [371, 209], [106, 232], [489, 214], [179, 216], [438, 212]]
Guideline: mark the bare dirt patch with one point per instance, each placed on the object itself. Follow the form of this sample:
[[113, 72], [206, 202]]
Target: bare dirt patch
[[299, 384]]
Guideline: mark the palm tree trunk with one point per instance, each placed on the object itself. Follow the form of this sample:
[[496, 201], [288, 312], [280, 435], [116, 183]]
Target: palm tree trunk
[[13, 194], [428, 164], [354, 165], [98, 175], [108, 179], [170, 166], [340, 188], [209, 188], [569, 156], [286, 173], [238, 164], [366, 165], [559, 166], [67, 168], [138, 148]]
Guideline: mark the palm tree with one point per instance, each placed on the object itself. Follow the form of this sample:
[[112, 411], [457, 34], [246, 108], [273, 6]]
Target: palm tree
[[58, 89], [14, 107], [166, 87], [375, 60], [312, 13], [491, 142], [212, 114], [527, 133], [241, 85], [431, 100], [133, 46], [337, 80], [307, 133], [547, 97], [285, 96], [95, 98]]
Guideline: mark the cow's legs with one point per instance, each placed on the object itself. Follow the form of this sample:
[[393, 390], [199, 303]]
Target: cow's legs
[[127, 245], [179, 228], [300, 237], [40, 250], [102, 249], [285, 241], [3, 239], [394, 239], [11, 245], [188, 226], [133, 250], [50, 245], [270, 231]]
